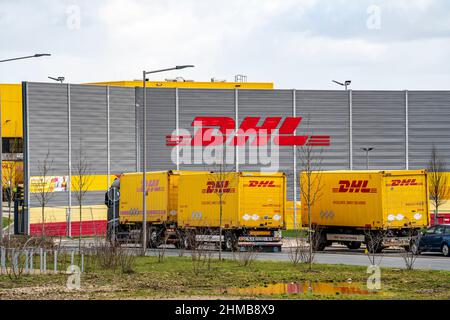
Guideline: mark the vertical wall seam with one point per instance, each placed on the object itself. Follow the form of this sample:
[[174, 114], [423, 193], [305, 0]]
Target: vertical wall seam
[[407, 129], [236, 121], [177, 126], [108, 137], [350, 104], [136, 131], [26, 135], [294, 167], [69, 180]]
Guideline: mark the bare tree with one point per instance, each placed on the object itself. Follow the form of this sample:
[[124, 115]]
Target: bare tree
[[409, 253], [201, 254], [42, 190], [246, 256], [222, 179], [374, 245], [310, 189], [81, 181], [11, 177], [437, 180], [298, 247]]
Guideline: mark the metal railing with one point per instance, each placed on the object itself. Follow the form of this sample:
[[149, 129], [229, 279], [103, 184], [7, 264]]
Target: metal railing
[[42, 260]]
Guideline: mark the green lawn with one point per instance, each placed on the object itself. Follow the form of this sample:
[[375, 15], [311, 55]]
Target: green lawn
[[294, 233], [175, 278]]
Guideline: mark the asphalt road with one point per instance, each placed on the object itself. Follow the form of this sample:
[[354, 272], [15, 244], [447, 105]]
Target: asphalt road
[[334, 255], [390, 260]]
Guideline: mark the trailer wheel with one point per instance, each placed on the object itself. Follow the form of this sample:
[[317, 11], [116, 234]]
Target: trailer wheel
[[154, 237], [374, 244], [321, 243], [187, 240], [183, 242], [353, 245], [414, 248], [230, 243]]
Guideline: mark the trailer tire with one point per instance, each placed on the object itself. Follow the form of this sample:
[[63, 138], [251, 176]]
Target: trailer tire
[[230, 242], [353, 245], [154, 237], [374, 245], [321, 243], [414, 248]]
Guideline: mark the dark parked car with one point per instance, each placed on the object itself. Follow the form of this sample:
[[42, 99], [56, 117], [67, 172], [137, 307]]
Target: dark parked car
[[434, 239]]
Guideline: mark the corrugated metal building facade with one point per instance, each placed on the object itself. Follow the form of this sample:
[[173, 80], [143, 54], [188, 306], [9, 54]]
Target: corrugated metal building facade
[[401, 126]]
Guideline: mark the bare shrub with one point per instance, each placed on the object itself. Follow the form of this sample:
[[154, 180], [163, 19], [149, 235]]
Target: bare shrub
[[298, 250], [106, 255], [160, 250], [374, 247], [201, 255], [127, 260], [113, 256], [246, 255], [409, 253]]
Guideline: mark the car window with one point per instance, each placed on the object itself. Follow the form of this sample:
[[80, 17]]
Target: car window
[[431, 230], [447, 230], [439, 230]]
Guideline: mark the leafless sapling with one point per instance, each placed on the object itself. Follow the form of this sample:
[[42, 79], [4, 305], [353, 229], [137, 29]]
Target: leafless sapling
[[42, 190], [81, 181], [310, 189], [439, 191]]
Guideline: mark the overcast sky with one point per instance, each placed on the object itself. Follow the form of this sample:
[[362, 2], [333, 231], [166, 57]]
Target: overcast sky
[[304, 44]]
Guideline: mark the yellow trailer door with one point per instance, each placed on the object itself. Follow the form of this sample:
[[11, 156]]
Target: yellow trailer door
[[405, 200], [262, 201]]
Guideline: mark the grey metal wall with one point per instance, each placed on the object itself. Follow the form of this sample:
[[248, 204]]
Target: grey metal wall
[[203, 103], [429, 123], [274, 103], [379, 122], [160, 122], [401, 126], [101, 123]]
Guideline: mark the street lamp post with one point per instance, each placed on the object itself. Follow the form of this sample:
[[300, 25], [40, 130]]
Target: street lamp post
[[367, 150], [345, 84], [37, 55], [58, 79], [144, 142]]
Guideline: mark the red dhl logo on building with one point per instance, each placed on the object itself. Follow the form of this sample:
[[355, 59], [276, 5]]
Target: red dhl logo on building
[[152, 186], [354, 186], [218, 187], [204, 136], [262, 184], [404, 183]]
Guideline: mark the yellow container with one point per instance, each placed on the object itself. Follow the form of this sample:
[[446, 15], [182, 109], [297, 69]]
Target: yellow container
[[249, 200], [162, 198], [368, 199], [174, 177], [130, 204]]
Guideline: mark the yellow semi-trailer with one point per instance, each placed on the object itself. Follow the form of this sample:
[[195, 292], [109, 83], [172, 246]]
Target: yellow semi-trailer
[[125, 215], [253, 208], [378, 208]]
